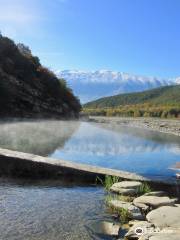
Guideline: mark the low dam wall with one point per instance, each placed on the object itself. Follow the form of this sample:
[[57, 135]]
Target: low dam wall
[[19, 164]]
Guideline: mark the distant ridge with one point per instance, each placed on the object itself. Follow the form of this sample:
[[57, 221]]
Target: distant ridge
[[157, 102], [160, 96]]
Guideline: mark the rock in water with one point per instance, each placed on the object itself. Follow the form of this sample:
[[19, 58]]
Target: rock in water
[[157, 194], [153, 201], [127, 184], [140, 228], [166, 234], [106, 228], [125, 187], [166, 216], [134, 211]]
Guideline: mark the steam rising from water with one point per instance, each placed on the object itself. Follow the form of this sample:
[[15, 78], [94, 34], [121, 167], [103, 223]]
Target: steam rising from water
[[131, 149], [37, 137]]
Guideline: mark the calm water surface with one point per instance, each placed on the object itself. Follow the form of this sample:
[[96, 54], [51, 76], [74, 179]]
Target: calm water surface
[[132, 149], [49, 211]]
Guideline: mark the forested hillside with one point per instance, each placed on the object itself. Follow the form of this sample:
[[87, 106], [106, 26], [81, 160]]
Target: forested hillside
[[158, 102], [28, 89]]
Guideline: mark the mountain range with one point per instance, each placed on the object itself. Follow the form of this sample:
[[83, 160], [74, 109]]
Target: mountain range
[[91, 85], [161, 102]]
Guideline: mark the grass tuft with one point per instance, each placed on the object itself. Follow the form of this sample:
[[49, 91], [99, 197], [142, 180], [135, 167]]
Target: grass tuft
[[143, 188], [108, 181]]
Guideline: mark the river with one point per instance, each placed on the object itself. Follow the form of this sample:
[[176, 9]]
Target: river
[[41, 210]]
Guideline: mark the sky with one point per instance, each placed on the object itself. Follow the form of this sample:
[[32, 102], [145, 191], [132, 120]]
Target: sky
[[134, 36]]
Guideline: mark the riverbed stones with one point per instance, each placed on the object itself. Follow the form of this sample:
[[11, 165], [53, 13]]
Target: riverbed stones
[[107, 228], [140, 228], [161, 236], [166, 216], [134, 211], [126, 187], [164, 234], [157, 194], [153, 201], [133, 222]]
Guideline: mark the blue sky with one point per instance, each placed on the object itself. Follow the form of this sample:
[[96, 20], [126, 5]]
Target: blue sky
[[134, 36]]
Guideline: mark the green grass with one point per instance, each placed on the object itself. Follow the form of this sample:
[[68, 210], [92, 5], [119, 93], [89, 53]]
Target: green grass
[[123, 198], [123, 214], [143, 188], [108, 181]]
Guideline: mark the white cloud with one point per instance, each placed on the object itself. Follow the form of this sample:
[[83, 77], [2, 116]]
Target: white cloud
[[18, 11], [178, 80], [17, 16]]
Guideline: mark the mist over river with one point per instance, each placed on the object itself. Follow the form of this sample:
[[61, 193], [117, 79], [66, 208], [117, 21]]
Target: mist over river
[[145, 152], [52, 209]]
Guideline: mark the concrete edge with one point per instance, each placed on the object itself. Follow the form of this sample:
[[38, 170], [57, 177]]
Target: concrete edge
[[12, 162]]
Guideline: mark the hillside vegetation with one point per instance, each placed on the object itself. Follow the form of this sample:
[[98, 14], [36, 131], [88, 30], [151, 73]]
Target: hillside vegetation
[[158, 102], [28, 89]]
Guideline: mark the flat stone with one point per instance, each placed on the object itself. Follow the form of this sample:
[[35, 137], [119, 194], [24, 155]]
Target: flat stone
[[133, 222], [143, 226], [166, 216], [127, 184], [157, 194], [133, 210], [165, 236], [107, 228], [126, 187], [123, 191], [119, 204], [153, 201], [172, 235]]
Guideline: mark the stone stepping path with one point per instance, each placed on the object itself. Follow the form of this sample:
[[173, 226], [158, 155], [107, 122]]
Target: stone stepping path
[[126, 187], [153, 201]]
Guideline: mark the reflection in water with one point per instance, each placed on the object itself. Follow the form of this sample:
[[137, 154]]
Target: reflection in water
[[37, 212], [146, 152], [132, 149], [42, 210], [37, 137]]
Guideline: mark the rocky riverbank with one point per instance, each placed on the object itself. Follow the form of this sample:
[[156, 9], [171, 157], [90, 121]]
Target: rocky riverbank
[[150, 215], [170, 126]]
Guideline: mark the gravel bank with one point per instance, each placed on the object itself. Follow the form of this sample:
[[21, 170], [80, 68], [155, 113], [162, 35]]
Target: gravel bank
[[162, 125]]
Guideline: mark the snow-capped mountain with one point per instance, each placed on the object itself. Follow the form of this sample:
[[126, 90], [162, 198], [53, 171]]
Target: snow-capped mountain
[[90, 85]]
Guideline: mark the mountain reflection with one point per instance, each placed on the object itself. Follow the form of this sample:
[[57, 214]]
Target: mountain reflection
[[103, 140], [131, 149]]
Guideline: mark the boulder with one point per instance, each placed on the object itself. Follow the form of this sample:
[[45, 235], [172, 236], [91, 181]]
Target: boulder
[[157, 194], [133, 222], [140, 228], [125, 187], [123, 191], [165, 236], [153, 201], [127, 184], [166, 216], [133, 210], [107, 228], [172, 235]]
